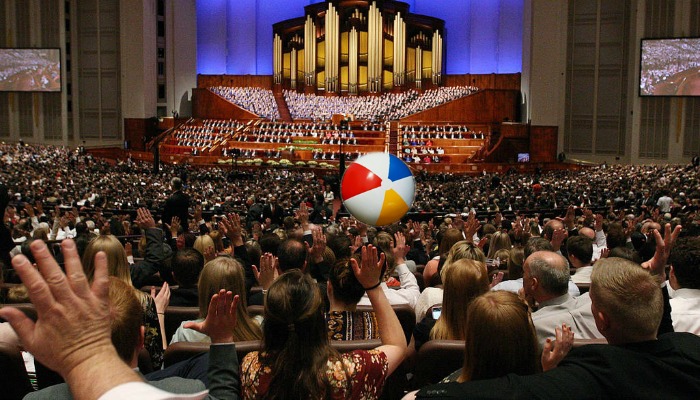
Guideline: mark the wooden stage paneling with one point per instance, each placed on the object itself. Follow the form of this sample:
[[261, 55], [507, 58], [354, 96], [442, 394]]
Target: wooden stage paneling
[[207, 104], [485, 106], [261, 81], [484, 81]]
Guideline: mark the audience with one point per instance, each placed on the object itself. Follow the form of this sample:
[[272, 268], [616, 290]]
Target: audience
[[463, 280], [297, 361], [684, 280], [344, 292], [221, 273], [628, 305], [630, 226]]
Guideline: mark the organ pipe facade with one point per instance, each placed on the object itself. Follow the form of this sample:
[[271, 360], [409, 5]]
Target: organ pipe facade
[[358, 46]]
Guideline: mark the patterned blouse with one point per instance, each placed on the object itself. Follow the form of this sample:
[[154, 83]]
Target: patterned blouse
[[348, 325], [153, 340], [366, 370]]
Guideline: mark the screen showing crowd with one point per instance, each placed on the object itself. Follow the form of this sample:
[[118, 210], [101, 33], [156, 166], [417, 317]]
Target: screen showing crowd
[[30, 70], [670, 67]]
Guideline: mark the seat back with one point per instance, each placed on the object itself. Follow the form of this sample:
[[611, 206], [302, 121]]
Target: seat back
[[14, 379], [437, 359], [27, 308], [583, 342], [405, 314], [255, 310], [181, 351], [346, 346], [174, 316]]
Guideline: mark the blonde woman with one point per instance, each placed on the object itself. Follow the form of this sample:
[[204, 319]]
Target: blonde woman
[[221, 273], [463, 280], [433, 295], [154, 308]]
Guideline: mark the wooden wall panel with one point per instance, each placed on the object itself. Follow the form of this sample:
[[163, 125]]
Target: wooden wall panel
[[261, 81], [485, 81], [487, 106], [206, 104], [543, 144], [135, 130]]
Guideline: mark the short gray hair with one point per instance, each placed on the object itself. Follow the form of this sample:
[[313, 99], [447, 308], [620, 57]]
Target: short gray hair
[[551, 271]]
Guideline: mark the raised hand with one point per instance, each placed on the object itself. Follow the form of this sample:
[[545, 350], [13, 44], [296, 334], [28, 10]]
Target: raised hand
[[369, 272], [174, 226], [209, 253], [302, 214], [316, 251], [144, 219], [657, 265], [569, 217], [555, 351], [471, 227], [231, 227], [73, 316], [497, 278], [162, 299], [400, 249], [221, 318], [268, 270], [558, 237]]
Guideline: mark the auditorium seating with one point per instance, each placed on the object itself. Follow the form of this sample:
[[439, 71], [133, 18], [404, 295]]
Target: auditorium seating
[[436, 359], [14, 379], [440, 142], [174, 316], [388, 106], [257, 100]]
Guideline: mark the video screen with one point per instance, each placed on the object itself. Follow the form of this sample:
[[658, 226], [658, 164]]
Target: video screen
[[30, 70], [670, 67], [523, 157]]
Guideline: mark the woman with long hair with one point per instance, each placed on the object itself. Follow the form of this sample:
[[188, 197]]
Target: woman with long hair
[[464, 280], [499, 240], [503, 315], [153, 306], [221, 273], [297, 361], [431, 296], [449, 238]]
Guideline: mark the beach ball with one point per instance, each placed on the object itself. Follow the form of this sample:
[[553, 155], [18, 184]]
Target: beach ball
[[378, 189]]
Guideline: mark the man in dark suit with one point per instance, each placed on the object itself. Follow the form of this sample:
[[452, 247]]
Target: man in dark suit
[[627, 305], [177, 205], [273, 211]]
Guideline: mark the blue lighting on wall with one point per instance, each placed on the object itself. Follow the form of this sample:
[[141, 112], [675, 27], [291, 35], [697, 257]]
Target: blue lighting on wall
[[235, 36]]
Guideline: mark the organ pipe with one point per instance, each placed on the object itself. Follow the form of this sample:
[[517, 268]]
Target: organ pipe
[[277, 59], [419, 67], [293, 66], [353, 48], [332, 48], [399, 50], [373, 20], [309, 52], [437, 58]]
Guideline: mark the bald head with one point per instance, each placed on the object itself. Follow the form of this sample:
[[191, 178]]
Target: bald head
[[587, 232], [547, 274], [550, 227]]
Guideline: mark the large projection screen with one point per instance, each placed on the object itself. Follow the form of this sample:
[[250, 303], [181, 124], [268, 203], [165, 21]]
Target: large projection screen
[[30, 70], [670, 67]]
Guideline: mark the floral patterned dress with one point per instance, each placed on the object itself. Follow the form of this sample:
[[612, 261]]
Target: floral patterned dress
[[153, 340], [366, 370], [348, 325]]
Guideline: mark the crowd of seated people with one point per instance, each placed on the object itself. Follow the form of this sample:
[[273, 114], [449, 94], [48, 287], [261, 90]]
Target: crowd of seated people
[[386, 107], [420, 143], [256, 100], [300, 251], [442, 131]]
